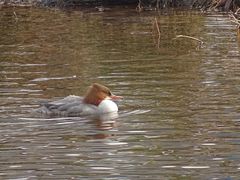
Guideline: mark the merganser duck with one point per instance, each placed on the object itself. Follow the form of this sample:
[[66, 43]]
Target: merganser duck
[[97, 100]]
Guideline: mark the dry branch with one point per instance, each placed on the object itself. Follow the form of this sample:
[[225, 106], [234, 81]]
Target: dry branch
[[139, 7], [234, 17], [156, 24], [189, 37]]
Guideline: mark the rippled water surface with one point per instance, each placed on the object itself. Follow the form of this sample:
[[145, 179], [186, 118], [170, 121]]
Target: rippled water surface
[[180, 115]]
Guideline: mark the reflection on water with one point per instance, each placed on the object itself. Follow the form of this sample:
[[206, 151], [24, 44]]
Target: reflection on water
[[180, 114]]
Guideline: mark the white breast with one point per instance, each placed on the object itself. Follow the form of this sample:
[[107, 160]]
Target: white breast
[[107, 106]]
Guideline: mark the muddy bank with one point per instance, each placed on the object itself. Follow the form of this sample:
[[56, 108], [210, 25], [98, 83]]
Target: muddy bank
[[141, 5]]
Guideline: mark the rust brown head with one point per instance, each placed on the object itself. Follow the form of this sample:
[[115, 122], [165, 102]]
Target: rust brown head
[[96, 93]]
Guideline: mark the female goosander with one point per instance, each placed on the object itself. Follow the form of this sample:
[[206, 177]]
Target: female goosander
[[97, 100]]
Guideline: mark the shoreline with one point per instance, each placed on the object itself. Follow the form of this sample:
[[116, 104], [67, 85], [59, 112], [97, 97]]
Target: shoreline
[[140, 5]]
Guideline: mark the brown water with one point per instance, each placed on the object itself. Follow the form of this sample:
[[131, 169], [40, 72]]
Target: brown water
[[180, 116]]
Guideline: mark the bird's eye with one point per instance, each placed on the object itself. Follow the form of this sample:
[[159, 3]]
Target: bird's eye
[[109, 93]]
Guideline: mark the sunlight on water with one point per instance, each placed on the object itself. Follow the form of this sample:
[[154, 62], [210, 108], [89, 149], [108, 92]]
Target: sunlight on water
[[179, 118]]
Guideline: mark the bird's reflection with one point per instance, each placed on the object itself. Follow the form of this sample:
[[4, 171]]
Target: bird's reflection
[[105, 125]]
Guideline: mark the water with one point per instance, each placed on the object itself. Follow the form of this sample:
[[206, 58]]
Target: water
[[180, 114]]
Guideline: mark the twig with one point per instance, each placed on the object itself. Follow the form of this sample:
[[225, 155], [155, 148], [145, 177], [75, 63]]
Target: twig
[[157, 4], [139, 6], [189, 37], [15, 15], [234, 20], [157, 26], [237, 11], [217, 4]]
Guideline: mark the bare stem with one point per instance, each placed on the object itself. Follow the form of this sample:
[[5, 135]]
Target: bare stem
[[237, 11], [189, 37], [15, 15], [234, 19], [157, 26], [139, 6]]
